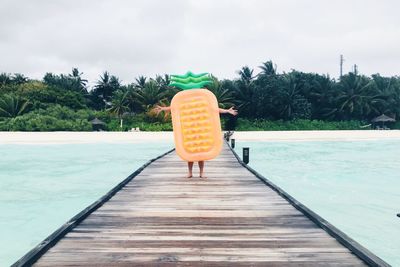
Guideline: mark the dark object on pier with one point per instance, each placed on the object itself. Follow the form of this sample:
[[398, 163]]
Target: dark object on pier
[[227, 135], [232, 143], [246, 155], [230, 123], [97, 124], [398, 214]]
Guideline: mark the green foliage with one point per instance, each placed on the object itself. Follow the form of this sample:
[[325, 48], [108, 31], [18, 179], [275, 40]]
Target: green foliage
[[244, 92], [7, 79], [55, 118], [140, 82], [322, 96], [119, 104], [267, 100], [241, 125], [356, 97], [12, 106], [298, 124], [292, 104], [396, 125], [149, 95], [268, 69], [43, 96], [73, 81], [224, 96], [104, 89]]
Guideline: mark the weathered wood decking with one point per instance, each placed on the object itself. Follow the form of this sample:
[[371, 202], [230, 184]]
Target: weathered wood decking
[[231, 218]]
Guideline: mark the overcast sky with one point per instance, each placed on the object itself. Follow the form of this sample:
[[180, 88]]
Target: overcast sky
[[132, 38]]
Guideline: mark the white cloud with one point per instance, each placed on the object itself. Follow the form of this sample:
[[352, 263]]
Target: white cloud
[[131, 38]]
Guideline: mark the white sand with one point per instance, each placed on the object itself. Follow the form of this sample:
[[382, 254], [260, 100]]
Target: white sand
[[82, 137], [317, 135], [135, 137]]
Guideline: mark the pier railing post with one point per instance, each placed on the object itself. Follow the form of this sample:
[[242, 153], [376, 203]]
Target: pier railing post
[[246, 154]]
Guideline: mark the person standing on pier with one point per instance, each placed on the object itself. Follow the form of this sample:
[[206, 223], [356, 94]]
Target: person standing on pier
[[230, 111], [195, 117]]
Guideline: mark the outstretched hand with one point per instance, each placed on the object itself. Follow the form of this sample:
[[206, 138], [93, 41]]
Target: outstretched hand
[[157, 109], [232, 111]]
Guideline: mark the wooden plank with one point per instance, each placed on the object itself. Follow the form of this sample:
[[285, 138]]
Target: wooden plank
[[229, 219]]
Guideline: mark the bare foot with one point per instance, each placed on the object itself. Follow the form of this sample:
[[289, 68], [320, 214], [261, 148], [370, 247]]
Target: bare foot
[[189, 176], [202, 176]]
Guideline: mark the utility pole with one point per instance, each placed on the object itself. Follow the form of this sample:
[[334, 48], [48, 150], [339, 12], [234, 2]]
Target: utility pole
[[341, 66], [355, 69]]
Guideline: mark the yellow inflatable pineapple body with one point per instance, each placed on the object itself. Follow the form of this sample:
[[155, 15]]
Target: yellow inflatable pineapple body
[[195, 119]]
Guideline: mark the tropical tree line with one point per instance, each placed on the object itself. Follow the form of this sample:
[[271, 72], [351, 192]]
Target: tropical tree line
[[258, 94]]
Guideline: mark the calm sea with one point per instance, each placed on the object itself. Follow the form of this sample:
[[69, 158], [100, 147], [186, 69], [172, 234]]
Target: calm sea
[[353, 185], [43, 186]]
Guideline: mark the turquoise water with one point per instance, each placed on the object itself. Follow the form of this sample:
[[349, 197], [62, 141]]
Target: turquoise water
[[43, 186], [353, 185]]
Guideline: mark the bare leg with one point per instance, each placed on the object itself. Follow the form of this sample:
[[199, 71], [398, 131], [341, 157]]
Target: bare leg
[[201, 166], [190, 167]]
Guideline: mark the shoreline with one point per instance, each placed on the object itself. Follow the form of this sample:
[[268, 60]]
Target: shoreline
[[330, 135], [137, 137]]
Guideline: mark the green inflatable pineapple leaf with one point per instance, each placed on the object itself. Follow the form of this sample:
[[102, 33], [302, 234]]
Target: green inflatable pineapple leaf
[[190, 80]]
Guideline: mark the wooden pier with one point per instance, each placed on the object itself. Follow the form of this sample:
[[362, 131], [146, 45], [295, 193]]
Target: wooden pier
[[232, 218]]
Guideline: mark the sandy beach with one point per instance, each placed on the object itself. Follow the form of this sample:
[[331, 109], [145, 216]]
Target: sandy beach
[[135, 137], [316, 135]]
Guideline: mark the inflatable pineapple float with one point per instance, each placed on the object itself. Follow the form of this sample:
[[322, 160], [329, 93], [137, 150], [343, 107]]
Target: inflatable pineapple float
[[195, 118]]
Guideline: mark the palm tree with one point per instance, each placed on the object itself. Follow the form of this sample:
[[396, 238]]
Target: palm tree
[[119, 105], [224, 96], [150, 95], [268, 68], [290, 102], [19, 78], [356, 98], [246, 75], [12, 106], [77, 77], [322, 89], [106, 86], [131, 97], [162, 81], [5, 78], [244, 90], [322, 95], [140, 82], [389, 90]]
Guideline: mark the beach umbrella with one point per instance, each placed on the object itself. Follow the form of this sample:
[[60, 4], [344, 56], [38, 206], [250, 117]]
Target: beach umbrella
[[383, 118], [96, 121], [97, 124]]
